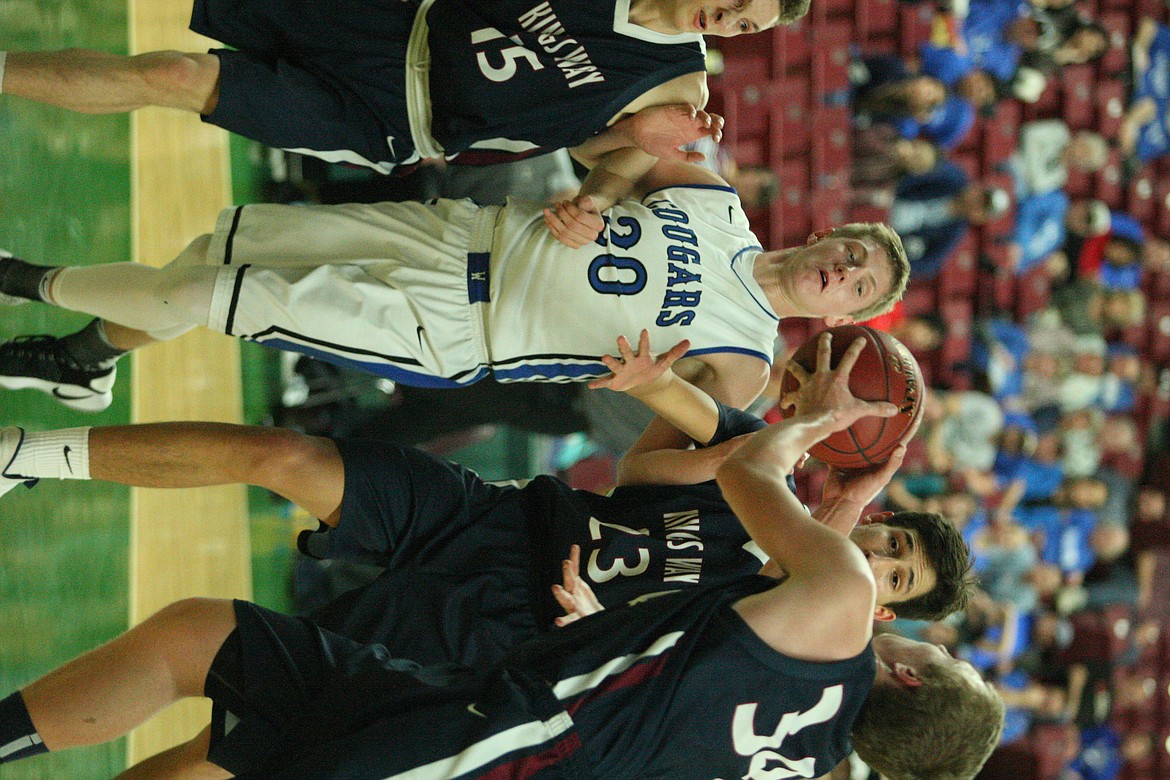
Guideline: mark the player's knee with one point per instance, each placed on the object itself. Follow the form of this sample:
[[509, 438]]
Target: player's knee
[[186, 293], [287, 455], [179, 79], [186, 634]]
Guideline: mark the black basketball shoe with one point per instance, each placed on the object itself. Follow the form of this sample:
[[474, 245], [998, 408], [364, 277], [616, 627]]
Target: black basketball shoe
[[41, 363]]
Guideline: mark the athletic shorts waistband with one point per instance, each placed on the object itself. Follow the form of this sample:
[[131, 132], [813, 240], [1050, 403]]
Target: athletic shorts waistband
[[418, 85]]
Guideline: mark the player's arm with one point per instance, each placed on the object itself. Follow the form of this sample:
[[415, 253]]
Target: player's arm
[[617, 175], [657, 130], [830, 590], [658, 456]]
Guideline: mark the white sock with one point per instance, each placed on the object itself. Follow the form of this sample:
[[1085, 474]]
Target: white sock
[[3, 59], [62, 454]]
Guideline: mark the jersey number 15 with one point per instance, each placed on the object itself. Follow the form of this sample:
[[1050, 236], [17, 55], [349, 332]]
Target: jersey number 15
[[510, 55]]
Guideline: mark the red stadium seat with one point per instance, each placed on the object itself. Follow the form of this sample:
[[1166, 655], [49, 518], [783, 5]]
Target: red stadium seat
[[921, 297], [1110, 105], [1162, 207], [1000, 134], [1107, 182], [746, 59], [829, 207], [830, 58], [956, 347], [1079, 185], [876, 19], [831, 148], [1157, 335], [793, 45], [957, 277], [1139, 198], [1032, 291], [789, 104], [1118, 23], [915, 20], [1076, 95]]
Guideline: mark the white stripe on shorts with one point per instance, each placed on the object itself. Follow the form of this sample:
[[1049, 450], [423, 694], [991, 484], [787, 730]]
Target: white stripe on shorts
[[526, 735]]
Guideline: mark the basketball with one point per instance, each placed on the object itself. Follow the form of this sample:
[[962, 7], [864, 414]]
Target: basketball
[[885, 371]]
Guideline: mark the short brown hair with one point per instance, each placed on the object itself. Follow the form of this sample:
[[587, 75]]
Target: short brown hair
[[885, 237], [791, 10], [943, 729], [946, 552]]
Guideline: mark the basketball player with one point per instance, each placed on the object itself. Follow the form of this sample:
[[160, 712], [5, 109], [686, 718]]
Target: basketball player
[[383, 84], [441, 294], [751, 678], [468, 563]]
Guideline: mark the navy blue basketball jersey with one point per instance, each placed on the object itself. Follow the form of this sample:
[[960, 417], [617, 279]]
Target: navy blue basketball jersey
[[674, 688], [643, 539], [470, 565], [680, 687], [547, 72]]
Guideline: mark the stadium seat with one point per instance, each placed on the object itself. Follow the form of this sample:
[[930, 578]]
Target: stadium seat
[[829, 207], [1032, 291], [875, 19], [792, 44], [1157, 335], [788, 102], [747, 59], [1109, 100], [1000, 134], [1162, 207], [1076, 96], [914, 23], [957, 277], [1139, 198], [830, 59], [832, 148], [1107, 182], [1118, 23], [921, 297]]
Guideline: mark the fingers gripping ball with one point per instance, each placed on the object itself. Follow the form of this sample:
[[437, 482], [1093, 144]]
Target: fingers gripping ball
[[885, 371]]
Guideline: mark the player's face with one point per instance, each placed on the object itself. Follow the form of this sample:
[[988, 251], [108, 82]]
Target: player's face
[[898, 561], [834, 277], [892, 650], [727, 18]]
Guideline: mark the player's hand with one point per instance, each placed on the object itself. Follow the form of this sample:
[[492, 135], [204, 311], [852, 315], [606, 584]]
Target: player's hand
[[574, 223], [861, 486], [825, 392], [575, 596], [661, 130], [638, 368]]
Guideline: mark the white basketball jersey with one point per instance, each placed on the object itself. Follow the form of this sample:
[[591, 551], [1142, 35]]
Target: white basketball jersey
[[679, 264]]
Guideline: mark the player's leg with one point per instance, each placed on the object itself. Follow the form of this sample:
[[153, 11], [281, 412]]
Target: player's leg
[[108, 691], [135, 305], [96, 82], [187, 761], [306, 470]]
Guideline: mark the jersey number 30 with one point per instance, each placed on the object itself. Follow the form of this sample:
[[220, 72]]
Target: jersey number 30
[[510, 54]]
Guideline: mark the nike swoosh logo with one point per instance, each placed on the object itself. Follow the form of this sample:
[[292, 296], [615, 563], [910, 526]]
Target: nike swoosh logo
[[67, 450], [419, 333], [472, 709], [58, 394]]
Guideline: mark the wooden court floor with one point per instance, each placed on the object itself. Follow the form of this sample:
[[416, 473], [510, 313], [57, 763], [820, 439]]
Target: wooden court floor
[[79, 563]]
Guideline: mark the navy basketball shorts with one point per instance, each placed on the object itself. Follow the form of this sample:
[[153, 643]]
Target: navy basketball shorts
[[460, 585], [325, 79], [291, 700]]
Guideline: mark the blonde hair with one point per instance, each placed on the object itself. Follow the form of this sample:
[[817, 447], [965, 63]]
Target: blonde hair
[[890, 242]]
